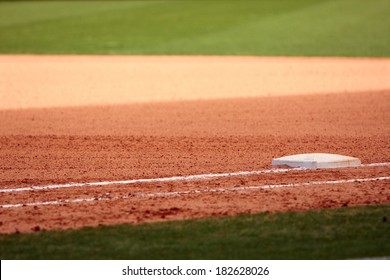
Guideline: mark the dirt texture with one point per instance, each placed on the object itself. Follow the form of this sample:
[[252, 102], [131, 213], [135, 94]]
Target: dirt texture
[[93, 119]]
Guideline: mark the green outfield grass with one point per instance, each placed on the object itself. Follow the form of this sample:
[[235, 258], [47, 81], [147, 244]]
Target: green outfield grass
[[218, 27], [345, 233]]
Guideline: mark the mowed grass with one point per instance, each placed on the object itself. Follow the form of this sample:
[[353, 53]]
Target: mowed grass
[[345, 233], [214, 27]]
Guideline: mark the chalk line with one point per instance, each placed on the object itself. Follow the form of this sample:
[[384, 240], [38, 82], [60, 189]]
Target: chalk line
[[197, 191], [153, 180], [169, 179]]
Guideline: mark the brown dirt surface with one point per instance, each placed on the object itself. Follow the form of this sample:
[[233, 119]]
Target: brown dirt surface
[[91, 119]]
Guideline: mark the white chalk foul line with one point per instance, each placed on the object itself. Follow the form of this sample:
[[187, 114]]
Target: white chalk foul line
[[376, 164], [169, 179], [198, 191], [153, 180]]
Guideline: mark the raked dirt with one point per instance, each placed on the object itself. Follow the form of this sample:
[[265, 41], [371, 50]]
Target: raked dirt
[[85, 119]]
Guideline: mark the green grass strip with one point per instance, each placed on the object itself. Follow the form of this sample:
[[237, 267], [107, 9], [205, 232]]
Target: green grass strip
[[345, 233], [215, 27]]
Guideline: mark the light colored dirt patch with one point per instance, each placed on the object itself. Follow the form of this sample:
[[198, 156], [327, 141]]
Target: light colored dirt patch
[[49, 145], [49, 81]]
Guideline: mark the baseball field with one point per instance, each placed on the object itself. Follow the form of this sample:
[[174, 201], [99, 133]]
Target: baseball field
[[146, 129]]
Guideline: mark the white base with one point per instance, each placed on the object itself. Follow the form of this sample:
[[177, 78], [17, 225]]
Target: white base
[[317, 160]]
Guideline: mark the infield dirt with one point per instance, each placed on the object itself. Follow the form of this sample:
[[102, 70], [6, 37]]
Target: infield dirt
[[145, 122]]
